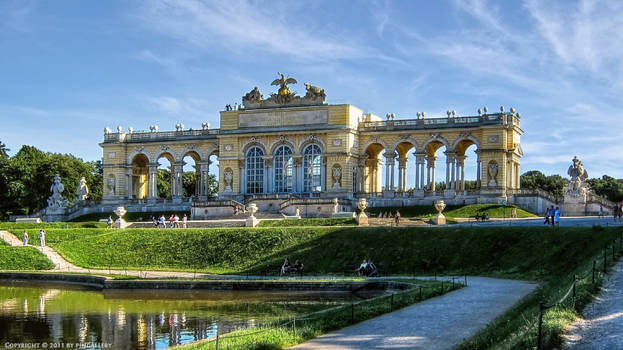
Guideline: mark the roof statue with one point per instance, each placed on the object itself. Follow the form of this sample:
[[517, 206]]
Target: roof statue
[[284, 96], [283, 84]]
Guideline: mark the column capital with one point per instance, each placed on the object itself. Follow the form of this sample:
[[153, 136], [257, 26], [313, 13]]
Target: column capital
[[389, 155]]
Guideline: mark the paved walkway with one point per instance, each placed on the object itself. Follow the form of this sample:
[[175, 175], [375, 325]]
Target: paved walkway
[[434, 324], [602, 325]]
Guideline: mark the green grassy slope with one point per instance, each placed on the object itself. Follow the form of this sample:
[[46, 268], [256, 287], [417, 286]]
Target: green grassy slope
[[454, 211], [22, 258]]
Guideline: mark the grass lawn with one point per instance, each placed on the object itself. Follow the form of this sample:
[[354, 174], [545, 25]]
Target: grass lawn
[[308, 222], [129, 217], [22, 258], [15, 226], [454, 211]]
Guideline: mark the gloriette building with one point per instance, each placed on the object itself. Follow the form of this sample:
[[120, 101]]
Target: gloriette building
[[286, 151]]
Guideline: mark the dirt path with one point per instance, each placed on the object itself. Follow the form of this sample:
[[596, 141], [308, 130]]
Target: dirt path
[[434, 324], [602, 325]]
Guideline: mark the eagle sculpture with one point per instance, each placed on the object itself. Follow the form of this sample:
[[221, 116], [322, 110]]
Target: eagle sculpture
[[283, 84]]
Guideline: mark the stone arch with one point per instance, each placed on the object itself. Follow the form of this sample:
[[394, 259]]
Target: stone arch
[[137, 152], [311, 139], [373, 141], [168, 154], [463, 142], [282, 140], [435, 138], [253, 141], [192, 151], [211, 150], [402, 140]]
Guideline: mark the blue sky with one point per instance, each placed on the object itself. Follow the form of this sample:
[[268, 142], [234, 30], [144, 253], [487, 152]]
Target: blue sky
[[70, 68]]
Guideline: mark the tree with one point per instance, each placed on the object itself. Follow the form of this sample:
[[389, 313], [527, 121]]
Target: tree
[[607, 187], [25, 179], [164, 183], [189, 183], [4, 151], [553, 184]]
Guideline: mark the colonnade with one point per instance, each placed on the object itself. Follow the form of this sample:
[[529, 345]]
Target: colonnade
[[425, 173], [135, 178]]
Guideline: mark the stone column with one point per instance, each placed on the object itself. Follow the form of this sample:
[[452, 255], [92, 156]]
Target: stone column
[[129, 179], [243, 177], [177, 170], [153, 181], [203, 180], [417, 173], [461, 173], [478, 170], [361, 175], [297, 174], [431, 172]]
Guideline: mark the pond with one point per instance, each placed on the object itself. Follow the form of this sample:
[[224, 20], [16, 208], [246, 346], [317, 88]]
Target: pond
[[58, 316]]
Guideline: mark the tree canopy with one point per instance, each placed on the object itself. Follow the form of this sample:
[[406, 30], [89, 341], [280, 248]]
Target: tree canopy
[[26, 177], [553, 184], [607, 187]]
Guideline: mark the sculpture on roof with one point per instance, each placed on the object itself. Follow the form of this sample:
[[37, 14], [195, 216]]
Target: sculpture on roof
[[284, 96]]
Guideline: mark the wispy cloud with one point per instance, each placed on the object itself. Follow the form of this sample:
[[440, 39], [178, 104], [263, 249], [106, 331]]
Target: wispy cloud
[[243, 27]]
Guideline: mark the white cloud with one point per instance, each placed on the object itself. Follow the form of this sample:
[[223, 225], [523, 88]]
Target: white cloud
[[243, 27]]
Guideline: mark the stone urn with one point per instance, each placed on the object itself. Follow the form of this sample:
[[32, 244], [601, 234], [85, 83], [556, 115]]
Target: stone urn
[[252, 221], [362, 218], [440, 219], [120, 223]]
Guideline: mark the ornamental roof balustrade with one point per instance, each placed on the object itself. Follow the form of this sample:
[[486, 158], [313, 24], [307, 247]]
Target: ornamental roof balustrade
[[145, 136], [445, 122]]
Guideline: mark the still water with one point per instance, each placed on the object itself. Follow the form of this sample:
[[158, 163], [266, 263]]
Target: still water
[[63, 316]]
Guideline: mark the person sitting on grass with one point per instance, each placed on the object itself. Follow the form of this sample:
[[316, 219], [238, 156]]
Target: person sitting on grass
[[285, 267], [477, 216], [485, 216], [109, 222], [298, 266]]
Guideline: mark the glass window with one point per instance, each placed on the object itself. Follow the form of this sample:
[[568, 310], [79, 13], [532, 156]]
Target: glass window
[[312, 165], [255, 170], [283, 169]]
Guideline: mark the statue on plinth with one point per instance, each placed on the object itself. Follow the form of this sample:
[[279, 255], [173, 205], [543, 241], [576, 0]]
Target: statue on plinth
[[56, 203], [252, 221], [120, 223], [440, 219], [82, 190], [362, 218], [284, 96], [577, 187], [336, 173], [229, 178]]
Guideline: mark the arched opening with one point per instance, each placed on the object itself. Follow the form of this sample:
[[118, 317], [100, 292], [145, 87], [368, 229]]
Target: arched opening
[[165, 183], [254, 166], [434, 168], [140, 176], [192, 174], [372, 177], [467, 166], [283, 165], [401, 163], [312, 169], [213, 175]]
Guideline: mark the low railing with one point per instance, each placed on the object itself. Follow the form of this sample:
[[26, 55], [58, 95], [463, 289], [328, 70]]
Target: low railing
[[142, 136], [497, 118]]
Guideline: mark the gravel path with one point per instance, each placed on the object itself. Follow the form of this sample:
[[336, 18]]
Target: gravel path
[[434, 324], [602, 326]]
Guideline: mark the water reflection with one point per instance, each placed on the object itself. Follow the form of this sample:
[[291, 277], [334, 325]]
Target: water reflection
[[31, 313]]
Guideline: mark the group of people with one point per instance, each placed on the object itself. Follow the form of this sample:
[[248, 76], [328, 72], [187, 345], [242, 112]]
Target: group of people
[[389, 215], [482, 217], [552, 216], [41, 237], [173, 220], [367, 268], [297, 267], [617, 212]]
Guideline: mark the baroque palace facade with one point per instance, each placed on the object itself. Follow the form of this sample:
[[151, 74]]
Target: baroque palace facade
[[288, 150]]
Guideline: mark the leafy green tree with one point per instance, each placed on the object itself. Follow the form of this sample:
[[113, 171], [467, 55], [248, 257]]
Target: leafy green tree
[[189, 183], [607, 187], [212, 185], [164, 183], [26, 177], [4, 151], [553, 184]]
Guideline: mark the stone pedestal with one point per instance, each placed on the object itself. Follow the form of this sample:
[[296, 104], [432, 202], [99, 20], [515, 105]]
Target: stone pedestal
[[362, 219], [252, 221], [440, 219], [120, 223]]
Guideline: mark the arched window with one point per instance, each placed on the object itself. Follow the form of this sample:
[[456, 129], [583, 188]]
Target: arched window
[[255, 170], [283, 169], [312, 166]]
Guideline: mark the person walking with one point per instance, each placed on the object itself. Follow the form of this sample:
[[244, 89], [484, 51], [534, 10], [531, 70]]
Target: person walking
[[184, 221], [397, 218], [162, 221], [557, 216], [42, 238], [615, 212], [546, 222], [25, 238], [552, 213], [601, 211]]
